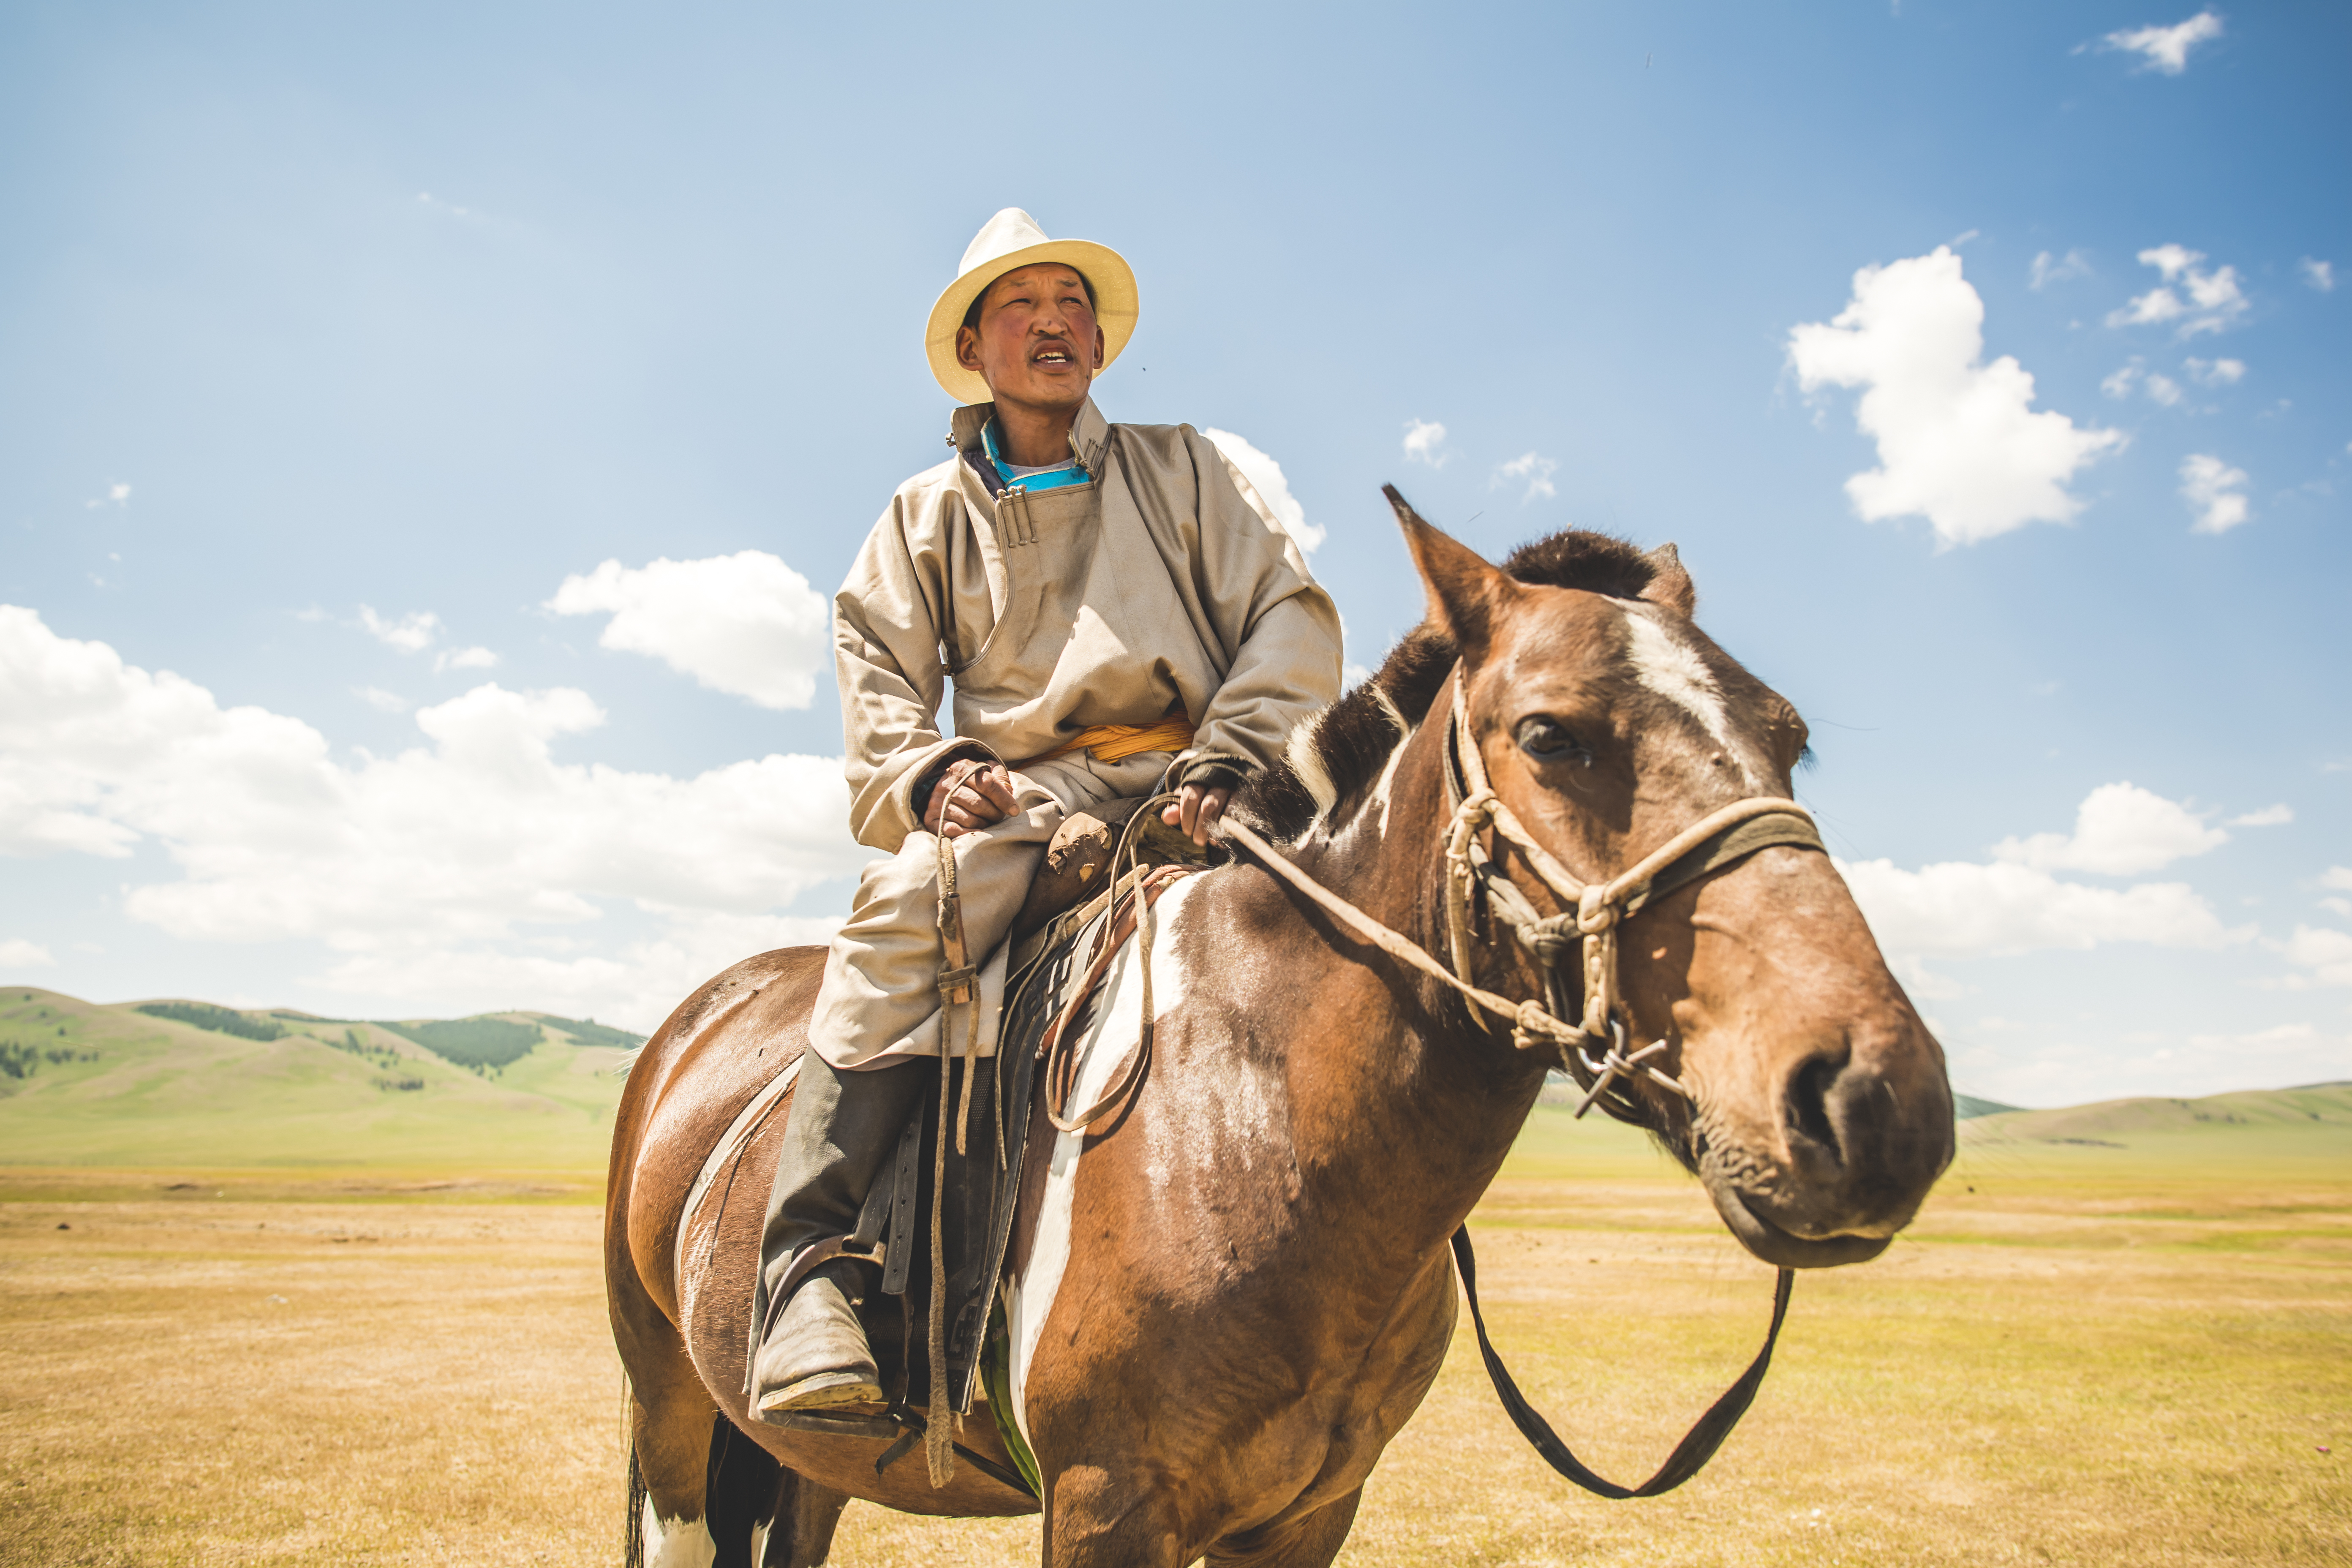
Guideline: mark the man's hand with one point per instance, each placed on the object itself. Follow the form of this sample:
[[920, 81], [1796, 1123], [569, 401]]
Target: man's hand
[[1196, 811], [969, 794]]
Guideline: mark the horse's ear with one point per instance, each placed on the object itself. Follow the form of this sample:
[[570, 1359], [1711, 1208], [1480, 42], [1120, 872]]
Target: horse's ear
[[1670, 586], [1464, 591]]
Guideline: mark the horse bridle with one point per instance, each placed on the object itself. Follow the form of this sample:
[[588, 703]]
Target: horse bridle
[[1597, 910], [1712, 844]]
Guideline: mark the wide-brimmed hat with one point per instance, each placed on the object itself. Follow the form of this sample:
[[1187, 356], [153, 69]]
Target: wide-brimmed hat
[[1006, 243]]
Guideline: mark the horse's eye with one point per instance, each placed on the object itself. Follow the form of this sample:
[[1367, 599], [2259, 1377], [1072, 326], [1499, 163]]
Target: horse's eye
[[1549, 740]]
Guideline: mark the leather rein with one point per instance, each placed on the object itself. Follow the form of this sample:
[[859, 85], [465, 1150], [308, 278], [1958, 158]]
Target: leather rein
[[1595, 911]]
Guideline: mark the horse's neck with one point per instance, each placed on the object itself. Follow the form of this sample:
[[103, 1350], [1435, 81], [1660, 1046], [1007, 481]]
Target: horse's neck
[[1408, 1101]]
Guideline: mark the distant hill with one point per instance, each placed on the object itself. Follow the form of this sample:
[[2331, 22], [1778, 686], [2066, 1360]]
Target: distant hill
[[2314, 1121], [1967, 1107], [174, 1083]]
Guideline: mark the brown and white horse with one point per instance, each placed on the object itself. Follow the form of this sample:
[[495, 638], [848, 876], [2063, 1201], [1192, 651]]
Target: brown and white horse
[[1225, 1302]]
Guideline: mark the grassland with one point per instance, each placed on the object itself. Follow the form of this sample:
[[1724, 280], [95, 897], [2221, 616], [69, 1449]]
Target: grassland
[[2113, 1351], [140, 1091]]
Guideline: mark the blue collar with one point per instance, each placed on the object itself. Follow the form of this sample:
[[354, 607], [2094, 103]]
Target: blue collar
[[1046, 479]]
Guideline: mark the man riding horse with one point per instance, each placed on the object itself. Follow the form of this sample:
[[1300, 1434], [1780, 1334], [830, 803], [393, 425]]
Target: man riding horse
[[1116, 607]]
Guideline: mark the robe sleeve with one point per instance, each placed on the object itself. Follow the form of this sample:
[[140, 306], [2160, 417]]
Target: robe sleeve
[[1280, 629], [886, 658]]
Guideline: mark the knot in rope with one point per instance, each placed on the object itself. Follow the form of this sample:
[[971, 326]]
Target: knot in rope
[[1595, 912], [1549, 940]]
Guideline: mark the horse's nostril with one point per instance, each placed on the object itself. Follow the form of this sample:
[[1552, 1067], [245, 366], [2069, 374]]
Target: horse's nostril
[[1809, 1108]]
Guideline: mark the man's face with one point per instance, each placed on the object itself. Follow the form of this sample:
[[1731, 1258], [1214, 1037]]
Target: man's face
[[1036, 343]]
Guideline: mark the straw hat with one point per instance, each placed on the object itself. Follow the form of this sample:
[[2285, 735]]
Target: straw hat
[[1006, 243]]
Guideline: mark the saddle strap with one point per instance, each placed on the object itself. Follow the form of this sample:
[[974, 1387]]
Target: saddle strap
[[1690, 1456]]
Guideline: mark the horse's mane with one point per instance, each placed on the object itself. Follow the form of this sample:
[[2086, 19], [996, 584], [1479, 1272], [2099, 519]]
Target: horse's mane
[[1342, 749]]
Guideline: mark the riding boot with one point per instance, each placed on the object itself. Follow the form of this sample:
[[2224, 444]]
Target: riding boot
[[809, 1352]]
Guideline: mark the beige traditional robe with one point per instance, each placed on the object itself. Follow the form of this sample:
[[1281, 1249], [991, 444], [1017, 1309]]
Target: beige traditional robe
[[1164, 580]]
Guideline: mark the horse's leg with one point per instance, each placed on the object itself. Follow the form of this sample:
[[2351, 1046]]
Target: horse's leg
[[740, 1495], [1092, 1521], [670, 1441], [1309, 1540], [806, 1513]]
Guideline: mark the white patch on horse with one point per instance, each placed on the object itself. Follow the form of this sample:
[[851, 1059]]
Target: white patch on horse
[[1118, 1013], [1196, 1143], [1380, 796], [1306, 760], [1678, 674], [677, 1542]]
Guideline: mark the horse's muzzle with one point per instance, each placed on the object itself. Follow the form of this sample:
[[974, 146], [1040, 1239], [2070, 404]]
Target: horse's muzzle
[[1850, 1139], [1784, 1248]]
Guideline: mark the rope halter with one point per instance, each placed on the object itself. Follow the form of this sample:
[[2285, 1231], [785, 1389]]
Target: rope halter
[[1595, 911]]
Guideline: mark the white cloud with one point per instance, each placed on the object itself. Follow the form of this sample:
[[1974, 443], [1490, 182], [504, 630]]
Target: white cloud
[[432, 202], [383, 701], [465, 658], [639, 982], [17, 954], [2338, 877], [2045, 271], [2214, 300], [1960, 907], [2017, 904], [2320, 274], [2215, 491], [464, 850], [745, 623], [2161, 388], [2324, 951], [1266, 477], [1536, 470], [2165, 49], [413, 633], [1424, 442], [1959, 441], [2268, 816], [117, 494], [2120, 830], [2217, 371]]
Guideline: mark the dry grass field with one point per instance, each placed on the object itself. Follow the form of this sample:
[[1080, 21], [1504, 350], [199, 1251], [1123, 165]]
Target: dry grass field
[[2074, 1362]]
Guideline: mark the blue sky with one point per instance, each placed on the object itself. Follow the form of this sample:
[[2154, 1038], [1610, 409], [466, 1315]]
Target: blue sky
[[342, 349]]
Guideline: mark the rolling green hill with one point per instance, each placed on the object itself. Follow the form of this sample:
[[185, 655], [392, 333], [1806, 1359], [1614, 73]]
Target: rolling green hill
[[169, 1084], [2312, 1122], [173, 1083]]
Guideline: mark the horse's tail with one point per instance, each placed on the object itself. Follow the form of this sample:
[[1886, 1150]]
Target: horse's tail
[[633, 1530]]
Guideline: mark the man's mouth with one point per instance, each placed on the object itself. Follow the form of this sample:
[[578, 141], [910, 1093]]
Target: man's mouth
[[1053, 357]]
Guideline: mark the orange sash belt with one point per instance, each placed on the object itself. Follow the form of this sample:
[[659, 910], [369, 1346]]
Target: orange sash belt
[[1117, 742]]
